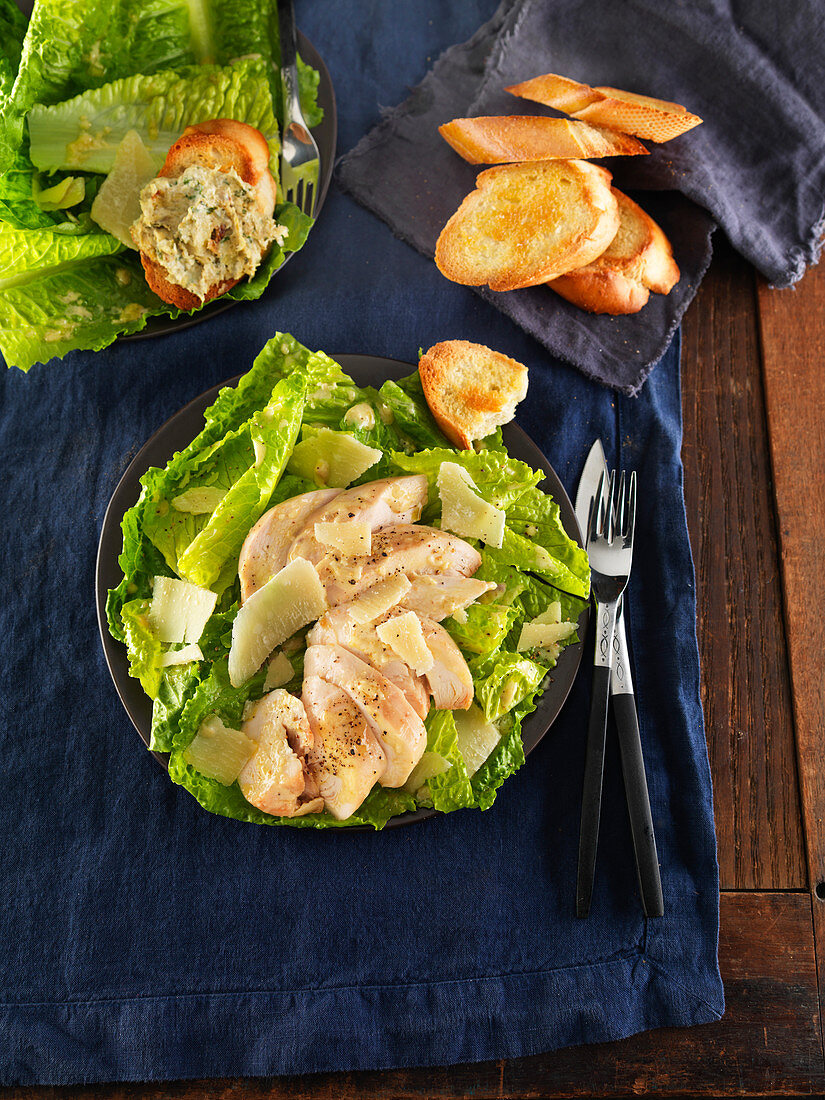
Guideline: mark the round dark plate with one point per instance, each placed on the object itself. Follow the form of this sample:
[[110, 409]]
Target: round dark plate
[[325, 135], [181, 429]]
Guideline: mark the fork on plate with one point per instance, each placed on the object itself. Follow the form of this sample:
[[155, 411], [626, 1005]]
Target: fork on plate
[[300, 159], [610, 548]]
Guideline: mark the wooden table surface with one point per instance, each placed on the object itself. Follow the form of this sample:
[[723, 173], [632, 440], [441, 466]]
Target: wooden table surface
[[753, 366]]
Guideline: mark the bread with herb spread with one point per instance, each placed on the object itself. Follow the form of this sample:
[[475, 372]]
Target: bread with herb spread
[[207, 219]]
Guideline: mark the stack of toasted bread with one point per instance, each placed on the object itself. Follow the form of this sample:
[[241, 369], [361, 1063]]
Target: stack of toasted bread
[[544, 214]]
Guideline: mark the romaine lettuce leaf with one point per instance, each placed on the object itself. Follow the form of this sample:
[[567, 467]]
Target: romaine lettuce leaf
[[176, 687], [506, 758], [505, 680], [452, 789], [83, 133], [411, 413], [27, 254], [143, 647], [536, 516], [501, 480], [84, 306], [274, 431], [484, 629]]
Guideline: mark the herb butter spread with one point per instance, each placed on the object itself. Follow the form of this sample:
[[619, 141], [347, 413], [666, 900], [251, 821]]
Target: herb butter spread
[[204, 227]]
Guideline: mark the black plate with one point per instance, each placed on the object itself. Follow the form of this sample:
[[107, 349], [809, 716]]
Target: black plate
[[176, 433], [325, 135]]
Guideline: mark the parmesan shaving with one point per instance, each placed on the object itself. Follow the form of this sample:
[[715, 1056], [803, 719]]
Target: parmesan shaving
[[463, 511], [404, 636], [182, 656], [179, 610]]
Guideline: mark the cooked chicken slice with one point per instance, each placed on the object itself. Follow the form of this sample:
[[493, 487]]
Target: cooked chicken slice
[[398, 548], [276, 779], [340, 627], [436, 597], [264, 553], [389, 500], [449, 680], [346, 758], [396, 725]]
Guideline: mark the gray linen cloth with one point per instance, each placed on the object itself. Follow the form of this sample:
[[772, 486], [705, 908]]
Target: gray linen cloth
[[756, 166]]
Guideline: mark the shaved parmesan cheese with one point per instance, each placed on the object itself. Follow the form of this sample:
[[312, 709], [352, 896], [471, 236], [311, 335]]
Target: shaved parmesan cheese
[[279, 672], [476, 737], [374, 602], [430, 764], [219, 752], [551, 615], [199, 502], [350, 539], [404, 636], [179, 610], [544, 635], [182, 656], [288, 601], [463, 511], [333, 459]]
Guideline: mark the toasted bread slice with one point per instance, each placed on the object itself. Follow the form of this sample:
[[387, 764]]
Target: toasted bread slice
[[638, 259], [527, 223], [501, 140], [654, 119], [221, 143], [470, 389]]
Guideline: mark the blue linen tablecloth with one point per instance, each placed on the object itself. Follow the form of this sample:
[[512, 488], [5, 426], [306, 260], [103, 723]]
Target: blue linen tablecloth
[[142, 938]]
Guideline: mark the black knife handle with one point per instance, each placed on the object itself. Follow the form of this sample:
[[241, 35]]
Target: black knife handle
[[638, 804], [592, 793]]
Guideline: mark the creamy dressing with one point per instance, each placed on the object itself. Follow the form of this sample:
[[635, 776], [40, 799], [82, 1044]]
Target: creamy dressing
[[203, 228]]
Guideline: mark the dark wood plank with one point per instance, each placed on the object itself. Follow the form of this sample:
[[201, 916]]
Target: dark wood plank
[[745, 682], [767, 1043], [793, 339]]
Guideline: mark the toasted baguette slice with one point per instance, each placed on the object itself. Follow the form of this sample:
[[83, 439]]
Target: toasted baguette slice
[[492, 140], [527, 223], [470, 389], [638, 259], [221, 143], [653, 119]]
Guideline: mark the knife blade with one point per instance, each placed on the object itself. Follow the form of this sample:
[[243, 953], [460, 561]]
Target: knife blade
[[624, 712]]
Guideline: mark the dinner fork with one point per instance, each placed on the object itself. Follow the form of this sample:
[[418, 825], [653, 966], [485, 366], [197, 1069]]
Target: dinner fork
[[300, 159], [610, 548]]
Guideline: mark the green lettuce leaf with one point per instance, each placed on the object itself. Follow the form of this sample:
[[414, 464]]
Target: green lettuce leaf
[[83, 133], [505, 759], [87, 305], [537, 517], [501, 480], [452, 789], [505, 680], [484, 629], [27, 254], [411, 413], [274, 431], [176, 687], [143, 647]]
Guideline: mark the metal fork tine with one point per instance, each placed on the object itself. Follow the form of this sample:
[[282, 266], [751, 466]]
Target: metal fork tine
[[621, 507], [596, 511], [631, 510], [610, 529]]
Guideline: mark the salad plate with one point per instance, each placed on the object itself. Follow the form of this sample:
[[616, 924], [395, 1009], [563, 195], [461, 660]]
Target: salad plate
[[325, 134], [178, 432]]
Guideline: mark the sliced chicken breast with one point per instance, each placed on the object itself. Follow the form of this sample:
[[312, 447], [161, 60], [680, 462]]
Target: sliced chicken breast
[[435, 597], [449, 680], [347, 759], [398, 548], [340, 627], [398, 728], [389, 500], [276, 778], [264, 553]]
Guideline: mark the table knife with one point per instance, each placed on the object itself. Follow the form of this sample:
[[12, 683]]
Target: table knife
[[627, 722]]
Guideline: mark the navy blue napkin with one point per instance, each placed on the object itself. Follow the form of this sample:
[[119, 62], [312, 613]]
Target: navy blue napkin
[[755, 167], [142, 938]]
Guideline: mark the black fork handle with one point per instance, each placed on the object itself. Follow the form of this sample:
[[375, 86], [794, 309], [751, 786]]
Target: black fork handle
[[286, 30], [594, 758]]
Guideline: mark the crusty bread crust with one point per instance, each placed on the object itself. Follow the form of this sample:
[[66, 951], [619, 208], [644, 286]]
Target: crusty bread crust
[[500, 140], [224, 144], [527, 223], [470, 389], [654, 119], [638, 260]]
